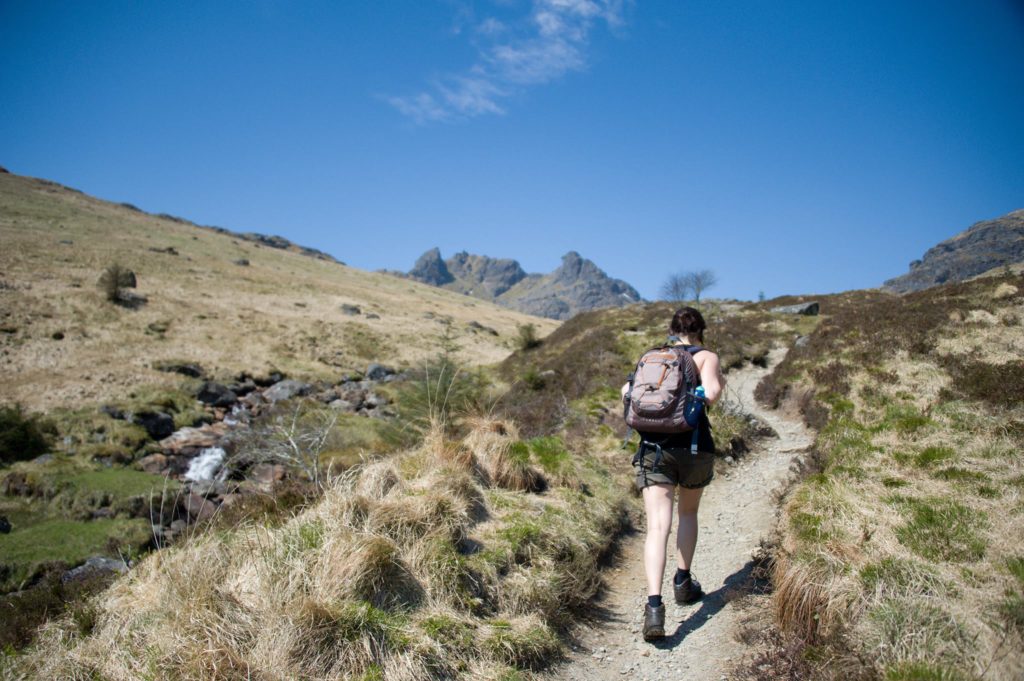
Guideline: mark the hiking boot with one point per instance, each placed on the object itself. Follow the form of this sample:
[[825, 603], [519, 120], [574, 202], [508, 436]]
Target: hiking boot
[[654, 622], [687, 592]]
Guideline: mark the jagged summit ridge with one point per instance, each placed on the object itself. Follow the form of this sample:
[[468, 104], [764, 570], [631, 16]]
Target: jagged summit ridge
[[981, 247], [575, 286]]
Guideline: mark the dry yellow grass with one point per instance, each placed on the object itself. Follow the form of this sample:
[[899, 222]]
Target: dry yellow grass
[[380, 579], [902, 558], [282, 311]]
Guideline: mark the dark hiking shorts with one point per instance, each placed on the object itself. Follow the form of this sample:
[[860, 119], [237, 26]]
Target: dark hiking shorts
[[676, 467]]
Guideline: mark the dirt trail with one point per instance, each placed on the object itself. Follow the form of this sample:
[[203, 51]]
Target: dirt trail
[[737, 511]]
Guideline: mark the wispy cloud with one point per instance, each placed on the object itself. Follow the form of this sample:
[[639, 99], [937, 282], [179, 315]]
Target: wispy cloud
[[543, 47]]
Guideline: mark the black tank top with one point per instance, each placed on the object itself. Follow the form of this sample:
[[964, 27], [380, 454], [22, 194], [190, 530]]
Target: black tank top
[[705, 443]]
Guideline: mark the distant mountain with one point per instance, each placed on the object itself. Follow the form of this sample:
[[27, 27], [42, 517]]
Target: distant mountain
[[983, 246], [576, 286]]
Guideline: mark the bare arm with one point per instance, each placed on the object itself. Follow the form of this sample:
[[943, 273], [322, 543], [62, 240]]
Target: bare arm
[[711, 376]]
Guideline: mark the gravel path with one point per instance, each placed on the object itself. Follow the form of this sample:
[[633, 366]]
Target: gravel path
[[738, 510]]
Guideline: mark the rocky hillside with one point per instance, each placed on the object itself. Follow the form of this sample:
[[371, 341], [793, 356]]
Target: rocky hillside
[[576, 286], [229, 302], [980, 248]]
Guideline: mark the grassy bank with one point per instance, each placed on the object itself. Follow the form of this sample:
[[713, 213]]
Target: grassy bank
[[901, 553], [459, 559]]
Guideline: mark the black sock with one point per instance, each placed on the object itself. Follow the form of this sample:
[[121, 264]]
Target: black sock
[[681, 575], [654, 601]]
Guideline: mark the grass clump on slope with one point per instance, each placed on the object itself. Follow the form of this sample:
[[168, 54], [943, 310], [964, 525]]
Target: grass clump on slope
[[442, 562], [900, 553]]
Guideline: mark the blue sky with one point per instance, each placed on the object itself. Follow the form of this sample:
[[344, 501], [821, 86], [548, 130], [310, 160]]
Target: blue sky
[[791, 147]]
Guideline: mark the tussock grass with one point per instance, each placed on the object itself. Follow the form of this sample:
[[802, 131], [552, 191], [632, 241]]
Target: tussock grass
[[900, 551], [436, 564]]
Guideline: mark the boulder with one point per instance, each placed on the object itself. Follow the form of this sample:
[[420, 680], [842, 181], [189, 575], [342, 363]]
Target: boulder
[[286, 390], [97, 565], [810, 308], [378, 372], [242, 262], [216, 395], [155, 464], [199, 508], [351, 310], [342, 405], [158, 424], [191, 440], [189, 369], [16, 484], [113, 412], [267, 474], [5, 525]]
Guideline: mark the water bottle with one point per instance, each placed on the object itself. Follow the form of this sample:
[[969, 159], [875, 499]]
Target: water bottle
[[695, 407]]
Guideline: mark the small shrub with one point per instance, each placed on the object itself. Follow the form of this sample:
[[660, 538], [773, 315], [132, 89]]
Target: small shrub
[[114, 280], [527, 338], [1000, 385], [22, 436]]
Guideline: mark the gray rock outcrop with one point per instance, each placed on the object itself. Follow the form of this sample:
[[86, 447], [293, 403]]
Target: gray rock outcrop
[[983, 246], [577, 285]]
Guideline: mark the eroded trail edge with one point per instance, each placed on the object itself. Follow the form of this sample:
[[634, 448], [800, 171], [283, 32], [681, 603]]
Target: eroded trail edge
[[738, 510]]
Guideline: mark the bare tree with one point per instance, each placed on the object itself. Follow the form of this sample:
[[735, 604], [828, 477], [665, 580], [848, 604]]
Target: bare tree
[[676, 288], [297, 439], [680, 286], [700, 281]]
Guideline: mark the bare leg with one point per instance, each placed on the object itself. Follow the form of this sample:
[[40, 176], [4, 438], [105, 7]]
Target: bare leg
[[658, 505], [686, 538]]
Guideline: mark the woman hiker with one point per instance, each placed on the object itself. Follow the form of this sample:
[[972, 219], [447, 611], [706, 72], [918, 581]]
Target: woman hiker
[[660, 471]]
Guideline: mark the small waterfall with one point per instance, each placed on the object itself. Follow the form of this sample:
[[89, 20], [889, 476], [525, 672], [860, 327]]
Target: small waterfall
[[206, 465]]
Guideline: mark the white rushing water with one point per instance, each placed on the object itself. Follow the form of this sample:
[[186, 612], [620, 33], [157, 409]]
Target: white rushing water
[[206, 465]]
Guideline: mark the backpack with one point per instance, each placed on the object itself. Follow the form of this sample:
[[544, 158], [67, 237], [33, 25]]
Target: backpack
[[661, 398]]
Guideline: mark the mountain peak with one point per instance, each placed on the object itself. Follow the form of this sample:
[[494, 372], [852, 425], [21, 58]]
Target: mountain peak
[[431, 269], [575, 286], [981, 247]]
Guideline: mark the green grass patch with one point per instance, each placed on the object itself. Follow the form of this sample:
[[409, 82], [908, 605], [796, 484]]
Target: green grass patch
[[938, 529], [25, 551], [931, 455], [958, 474], [894, 483], [117, 482], [900, 576], [809, 527], [1012, 610], [903, 418], [922, 671], [533, 647], [452, 633], [1015, 565]]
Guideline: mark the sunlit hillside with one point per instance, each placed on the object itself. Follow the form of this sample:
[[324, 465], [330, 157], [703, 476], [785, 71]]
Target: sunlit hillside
[[62, 342]]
